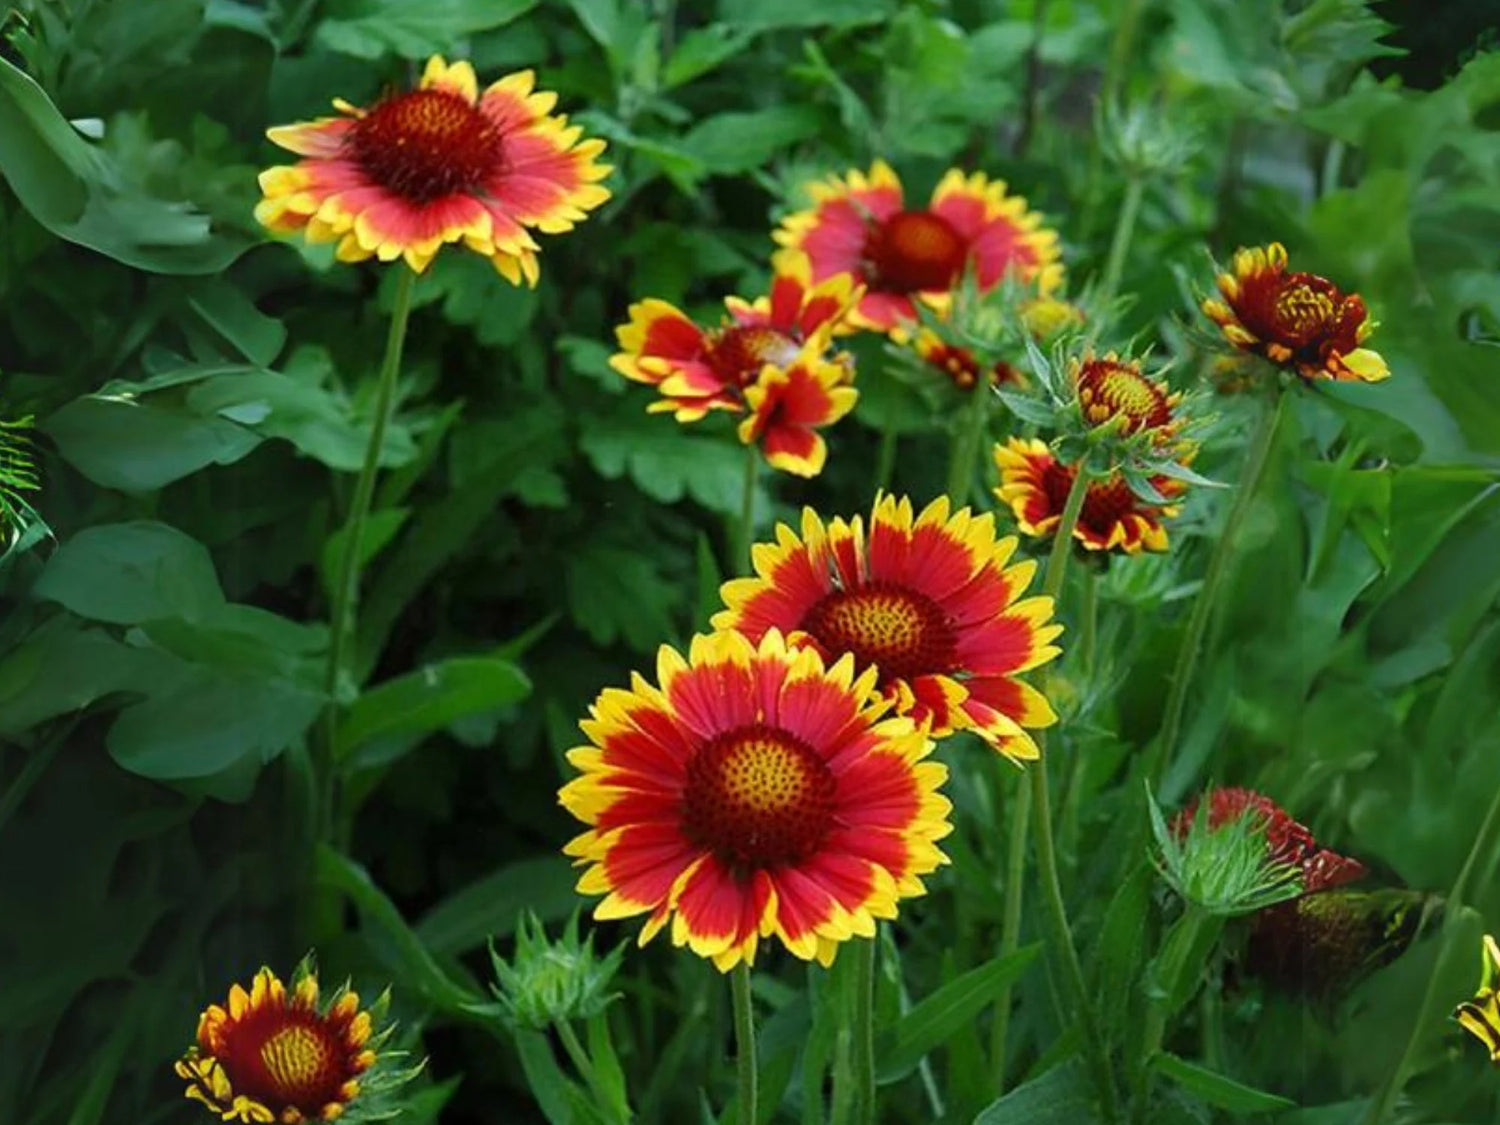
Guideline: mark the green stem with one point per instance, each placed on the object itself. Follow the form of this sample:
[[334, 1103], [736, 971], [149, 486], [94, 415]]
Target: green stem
[[745, 530], [1482, 848], [965, 450], [1180, 962], [744, 1044], [583, 1063], [864, 1030], [1010, 925], [885, 465], [346, 585], [1088, 631], [1159, 757], [1120, 244]]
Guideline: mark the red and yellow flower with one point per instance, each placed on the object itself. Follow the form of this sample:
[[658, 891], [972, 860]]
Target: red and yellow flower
[[442, 163], [1115, 391], [701, 369], [756, 793], [860, 224], [1297, 320], [789, 405], [1481, 1015], [960, 364], [267, 1056], [1036, 485], [926, 602]]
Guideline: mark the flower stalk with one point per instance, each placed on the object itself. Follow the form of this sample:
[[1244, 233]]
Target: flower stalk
[[746, 1072], [965, 450]]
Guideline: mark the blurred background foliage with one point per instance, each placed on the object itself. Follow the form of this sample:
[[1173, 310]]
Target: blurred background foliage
[[202, 397]]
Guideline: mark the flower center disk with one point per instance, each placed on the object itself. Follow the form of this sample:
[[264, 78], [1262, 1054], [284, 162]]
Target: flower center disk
[[901, 632], [757, 797], [287, 1063], [1112, 389], [1303, 310], [914, 250], [427, 144]]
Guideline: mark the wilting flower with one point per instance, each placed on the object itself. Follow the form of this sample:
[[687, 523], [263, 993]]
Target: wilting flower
[[1116, 391], [1287, 841], [928, 604], [438, 164], [756, 793], [702, 369], [1481, 1015], [1296, 320], [269, 1057], [1036, 485], [860, 224]]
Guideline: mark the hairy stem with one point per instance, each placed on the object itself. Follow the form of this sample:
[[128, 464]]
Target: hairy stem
[[744, 1044]]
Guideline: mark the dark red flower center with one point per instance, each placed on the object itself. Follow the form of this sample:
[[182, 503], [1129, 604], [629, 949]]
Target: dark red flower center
[[900, 631], [737, 352], [285, 1058], [1304, 310], [427, 144], [1105, 502], [913, 251], [1109, 389], [758, 797]]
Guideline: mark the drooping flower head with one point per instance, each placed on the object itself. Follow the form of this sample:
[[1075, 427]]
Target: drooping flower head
[[926, 603], [770, 357], [1115, 391], [701, 369], [860, 224], [1287, 841], [1298, 321], [442, 163], [1036, 485], [756, 792], [267, 1056], [1481, 1015]]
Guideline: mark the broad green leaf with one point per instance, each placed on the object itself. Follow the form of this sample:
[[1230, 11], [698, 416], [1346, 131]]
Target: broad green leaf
[[77, 192], [730, 143], [1058, 1097], [1215, 1089], [490, 906], [138, 447], [702, 50], [936, 1018], [665, 463], [615, 594], [226, 309], [97, 665], [373, 28], [430, 697], [127, 573], [764, 15]]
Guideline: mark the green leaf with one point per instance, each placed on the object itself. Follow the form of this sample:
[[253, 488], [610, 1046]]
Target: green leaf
[[664, 462], [730, 143], [1215, 1089], [137, 447], [97, 665], [553, 1091], [377, 27], [942, 1015], [380, 528], [78, 193], [616, 594], [226, 309], [1058, 1097], [701, 50], [489, 907], [767, 14], [430, 697], [127, 573]]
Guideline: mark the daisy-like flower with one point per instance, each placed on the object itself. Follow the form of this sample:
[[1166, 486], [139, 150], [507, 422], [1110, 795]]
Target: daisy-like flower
[[860, 224], [267, 1056], [928, 603], [1036, 485], [701, 369], [1298, 321], [438, 164], [1481, 1015], [1117, 391], [756, 793], [789, 405]]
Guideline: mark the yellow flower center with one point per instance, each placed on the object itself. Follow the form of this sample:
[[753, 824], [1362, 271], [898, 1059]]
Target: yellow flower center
[[1108, 389], [427, 144], [758, 797], [899, 631], [298, 1061], [913, 251]]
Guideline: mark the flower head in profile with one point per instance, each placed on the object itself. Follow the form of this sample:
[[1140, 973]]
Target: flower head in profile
[[268, 1055], [1298, 321], [926, 603], [756, 792], [1113, 518], [1481, 1015], [444, 163], [860, 224]]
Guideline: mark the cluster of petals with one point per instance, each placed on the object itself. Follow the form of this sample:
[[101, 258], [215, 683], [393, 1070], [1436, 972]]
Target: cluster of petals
[[1035, 484], [754, 791], [927, 601], [769, 359], [1116, 392], [267, 1056], [1298, 321], [444, 163], [1041, 318], [860, 224]]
